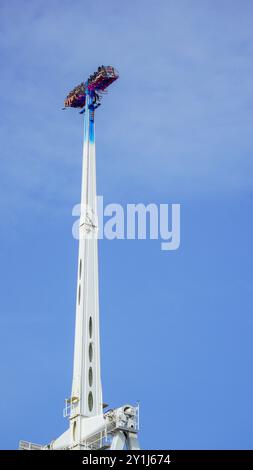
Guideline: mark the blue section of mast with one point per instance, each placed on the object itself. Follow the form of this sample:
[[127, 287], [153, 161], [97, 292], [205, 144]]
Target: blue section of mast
[[92, 136], [89, 120]]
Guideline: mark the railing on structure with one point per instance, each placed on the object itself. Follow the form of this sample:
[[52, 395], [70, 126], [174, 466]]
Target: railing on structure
[[70, 406], [98, 441], [25, 445]]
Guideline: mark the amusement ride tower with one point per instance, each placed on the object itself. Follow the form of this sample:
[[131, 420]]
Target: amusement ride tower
[[89, 426]]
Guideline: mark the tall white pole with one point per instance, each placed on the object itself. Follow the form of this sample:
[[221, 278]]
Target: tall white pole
[[89, 427], [86, 394]]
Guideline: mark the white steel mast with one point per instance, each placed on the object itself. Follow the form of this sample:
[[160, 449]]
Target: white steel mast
[[89, 427], [86, 397]]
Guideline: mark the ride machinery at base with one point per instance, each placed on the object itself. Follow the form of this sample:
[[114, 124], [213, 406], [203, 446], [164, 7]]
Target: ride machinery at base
[[91, 424]]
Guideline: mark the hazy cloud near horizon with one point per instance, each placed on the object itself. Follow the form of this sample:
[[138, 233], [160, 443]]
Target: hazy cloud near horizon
[[177, 122]]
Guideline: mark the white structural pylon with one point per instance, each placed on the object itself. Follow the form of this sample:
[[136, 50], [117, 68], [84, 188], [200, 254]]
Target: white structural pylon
[[89, 427]]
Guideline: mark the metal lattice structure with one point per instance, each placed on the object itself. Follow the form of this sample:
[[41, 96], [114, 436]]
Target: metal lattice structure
[[89, 426]]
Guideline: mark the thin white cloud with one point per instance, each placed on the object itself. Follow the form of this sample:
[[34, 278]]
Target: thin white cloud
[[180, 113]]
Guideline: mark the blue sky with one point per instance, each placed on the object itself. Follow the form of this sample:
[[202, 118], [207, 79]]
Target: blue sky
[[176, 327]]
